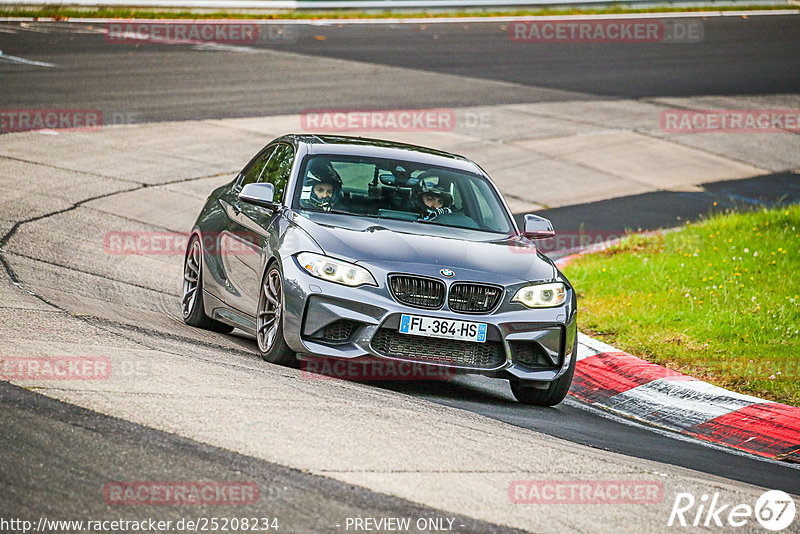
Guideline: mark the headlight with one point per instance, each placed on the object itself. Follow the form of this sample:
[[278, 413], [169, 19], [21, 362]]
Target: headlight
[[338, 271], [542, 295]]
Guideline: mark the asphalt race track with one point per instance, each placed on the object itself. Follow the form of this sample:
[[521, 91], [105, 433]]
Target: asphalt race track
[[202, 406], [38, 430], [156, 82]]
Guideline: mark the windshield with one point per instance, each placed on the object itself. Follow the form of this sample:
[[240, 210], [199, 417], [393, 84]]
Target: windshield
[[400, 190]]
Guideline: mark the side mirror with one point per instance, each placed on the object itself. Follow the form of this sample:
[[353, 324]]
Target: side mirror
[[260, 195], [538, 227]]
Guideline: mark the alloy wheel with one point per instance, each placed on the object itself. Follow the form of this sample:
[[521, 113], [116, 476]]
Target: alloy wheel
[[269, 310], [191, 279]]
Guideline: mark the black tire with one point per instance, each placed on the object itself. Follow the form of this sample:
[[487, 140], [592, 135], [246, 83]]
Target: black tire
[[269, 320], [192, 299], [549, 396]]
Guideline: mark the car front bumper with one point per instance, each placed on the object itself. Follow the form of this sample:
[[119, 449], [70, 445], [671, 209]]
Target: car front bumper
[[332, 320]]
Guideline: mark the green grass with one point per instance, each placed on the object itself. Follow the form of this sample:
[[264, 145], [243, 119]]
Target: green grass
[[718, 299], [65, 13]]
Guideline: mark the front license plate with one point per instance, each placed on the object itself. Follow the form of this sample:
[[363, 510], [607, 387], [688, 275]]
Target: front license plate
[[445, 328]]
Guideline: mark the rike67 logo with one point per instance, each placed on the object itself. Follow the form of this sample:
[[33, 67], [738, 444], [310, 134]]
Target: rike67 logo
[[774, 510]]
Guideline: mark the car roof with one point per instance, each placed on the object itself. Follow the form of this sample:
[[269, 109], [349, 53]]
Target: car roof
[[381, 148]]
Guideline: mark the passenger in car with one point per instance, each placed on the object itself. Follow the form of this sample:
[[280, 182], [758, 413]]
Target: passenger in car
[[432, 198]]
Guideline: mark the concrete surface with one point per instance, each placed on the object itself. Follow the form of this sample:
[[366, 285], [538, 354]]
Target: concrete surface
[[214, 389]]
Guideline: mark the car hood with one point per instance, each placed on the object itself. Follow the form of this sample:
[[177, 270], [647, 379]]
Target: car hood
[[397, 246]]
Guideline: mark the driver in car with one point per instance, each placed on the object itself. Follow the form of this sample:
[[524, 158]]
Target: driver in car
[[325, 186], [432, 199]]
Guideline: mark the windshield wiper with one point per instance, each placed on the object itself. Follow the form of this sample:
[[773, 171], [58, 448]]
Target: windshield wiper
[[434, 222], [341, 212], [479, 229]]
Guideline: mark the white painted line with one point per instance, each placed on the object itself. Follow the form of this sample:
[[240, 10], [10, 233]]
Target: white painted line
[[595, 345], [15, 59], [584, 351], [700, 388], [626, 419], [34, 29], [678, 405], [221, 47]]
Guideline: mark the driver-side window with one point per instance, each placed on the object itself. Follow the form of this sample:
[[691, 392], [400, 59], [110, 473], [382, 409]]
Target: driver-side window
[[278, 170], [253, 172]]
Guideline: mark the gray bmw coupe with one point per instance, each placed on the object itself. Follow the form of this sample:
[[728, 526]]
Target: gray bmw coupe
[[351, 248]]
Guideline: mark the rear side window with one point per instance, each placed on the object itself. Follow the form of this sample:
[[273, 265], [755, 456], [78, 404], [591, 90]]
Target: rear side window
[[278, 170]]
